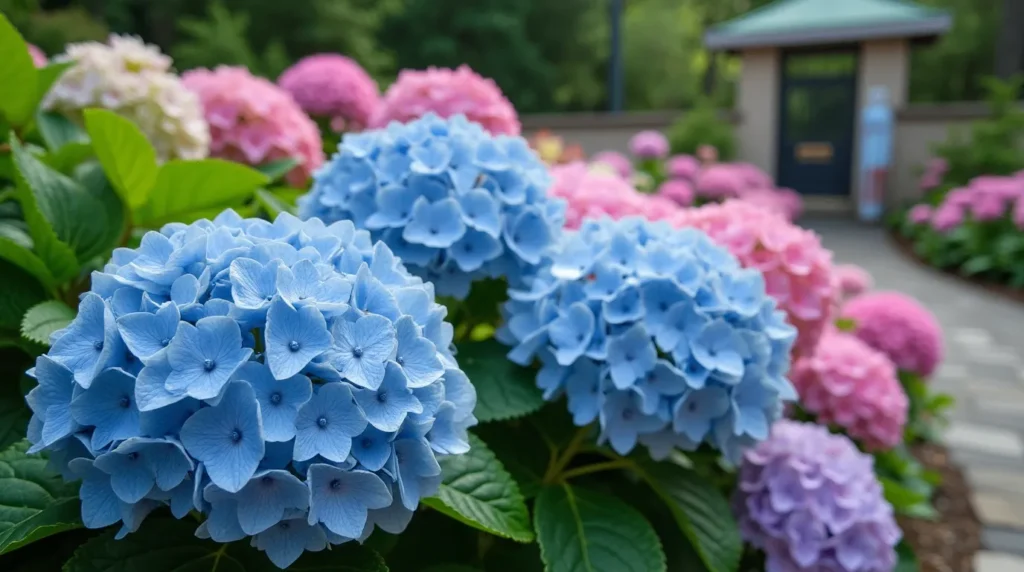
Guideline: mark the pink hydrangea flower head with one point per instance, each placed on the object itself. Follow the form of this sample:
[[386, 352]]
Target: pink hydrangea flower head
[[900, 327], [780, 201], [847, 383], [719, 181], [448, 92], [753, 176], [707, 154], [649, 144], [851, 280], [920, 214], [1018, 214], [933, 173], [683, 167], [947, 217], [38, 57], [254, 121], [678, 191], [616, 161], [594, 194], [335, 87], [797, 269]]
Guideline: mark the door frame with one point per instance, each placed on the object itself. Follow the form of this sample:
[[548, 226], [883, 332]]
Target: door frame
[[781, 115]]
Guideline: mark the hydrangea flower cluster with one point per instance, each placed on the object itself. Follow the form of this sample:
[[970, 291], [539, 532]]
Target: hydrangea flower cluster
[[455, 203], [617, 162], [848, 383], [658, 335], [592, 193], [933, 173], [850, 281], [984, 199], [289, 380], [446, 93], [38, 57], [678, 191], [253, 121], [334, 87], [134, 80], [900, 327], [811, 501], [683, 167], [797, 268], [649, 145]]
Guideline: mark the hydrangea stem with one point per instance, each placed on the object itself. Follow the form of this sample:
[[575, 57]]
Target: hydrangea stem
[[561, 461], [596, 468]]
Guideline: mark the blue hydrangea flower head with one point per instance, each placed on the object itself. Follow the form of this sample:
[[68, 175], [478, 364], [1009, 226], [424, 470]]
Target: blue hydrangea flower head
[[811, 501], [454, 202], [656, 334], [290, 380]]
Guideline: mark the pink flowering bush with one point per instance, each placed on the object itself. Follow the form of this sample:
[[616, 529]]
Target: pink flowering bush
[[334, 88], [617, 162], [977, 229], [847, 383], [678, 191], [447, 92], [649, 145], [898, 326], [797, 268], [595, 193], [255, 122], [682, 167]]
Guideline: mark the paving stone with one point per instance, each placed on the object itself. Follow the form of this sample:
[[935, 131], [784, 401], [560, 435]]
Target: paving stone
[[984, 439], [993, 356], [987, 561], [998, 539], [995, 479], [988, 388], [999, 510], [971, 336]]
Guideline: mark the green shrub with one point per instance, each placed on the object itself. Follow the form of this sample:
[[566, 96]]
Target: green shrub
[[703, 125], [53, 30]]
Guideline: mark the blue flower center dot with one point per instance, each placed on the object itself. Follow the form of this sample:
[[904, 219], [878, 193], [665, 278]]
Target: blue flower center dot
[[382, 397], [125, 401], [275, 398], [400, 360], [294, 345], [336, 484], [691, 406], [630, 357], [132, 456], [357, 352], [627, 414], [236, 436], [98, 345], [366, 443], [209, 365], [284, 525], [433, 230], [321, 421], [663, 306], [165, 341], [267, 480]]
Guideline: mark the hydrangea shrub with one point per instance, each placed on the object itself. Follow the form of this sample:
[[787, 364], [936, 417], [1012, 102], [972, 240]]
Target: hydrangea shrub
[[657, 335], [455, 203], [811, 501], [333, 87], [134, 80], [288, 380]]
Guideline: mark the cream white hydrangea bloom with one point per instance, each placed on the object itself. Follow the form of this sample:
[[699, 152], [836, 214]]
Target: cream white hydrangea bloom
[[135, 80]]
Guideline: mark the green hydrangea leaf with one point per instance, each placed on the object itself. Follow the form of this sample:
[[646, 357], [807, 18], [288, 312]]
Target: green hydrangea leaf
[[34, 502], [186, 187], [701, 512], [478, 491], [272, 204], [15, 252], [165, 545], [504, 390], [14, 413], [21, 291], [58, 131], [45, 318], [126, 155], [580, 530], [18, 76], [276, 170], [47, 76]]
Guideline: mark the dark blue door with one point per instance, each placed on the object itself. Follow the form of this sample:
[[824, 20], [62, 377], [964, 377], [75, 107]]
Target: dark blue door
[[816, 121]]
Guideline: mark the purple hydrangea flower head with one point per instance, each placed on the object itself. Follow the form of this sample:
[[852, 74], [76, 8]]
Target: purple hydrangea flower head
[[811, 501], [289, 380], [656, 334], [649, 145], [454, 202]]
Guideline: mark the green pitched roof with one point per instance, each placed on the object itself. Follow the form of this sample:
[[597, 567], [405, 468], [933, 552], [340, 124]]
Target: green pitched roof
[[810, 22]]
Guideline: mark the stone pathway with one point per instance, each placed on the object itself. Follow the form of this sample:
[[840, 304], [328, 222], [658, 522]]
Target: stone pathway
[[983, 369]]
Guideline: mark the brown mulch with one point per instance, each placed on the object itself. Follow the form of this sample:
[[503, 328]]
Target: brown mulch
[[904, 245], [949, 543]]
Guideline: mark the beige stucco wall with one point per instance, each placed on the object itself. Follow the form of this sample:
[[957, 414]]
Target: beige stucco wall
[[757, 101]]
